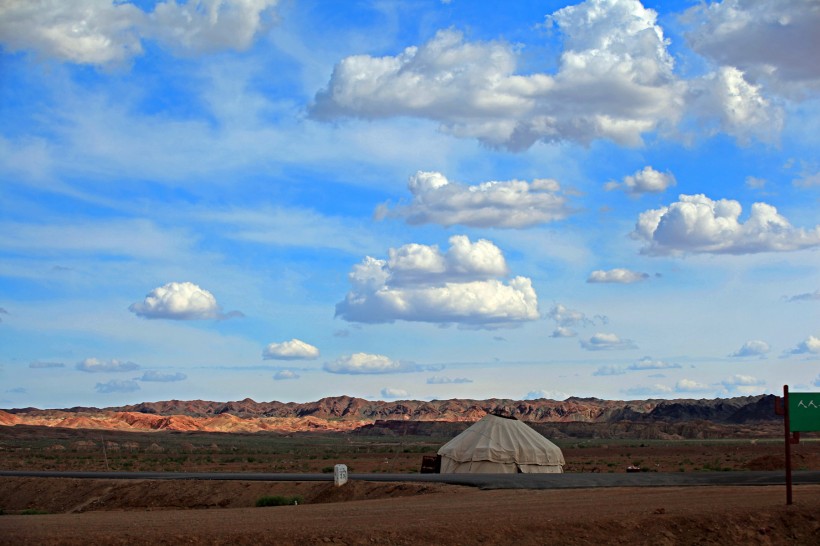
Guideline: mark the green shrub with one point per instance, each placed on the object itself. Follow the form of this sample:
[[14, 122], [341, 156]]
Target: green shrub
[[278, 500], [33, 512]]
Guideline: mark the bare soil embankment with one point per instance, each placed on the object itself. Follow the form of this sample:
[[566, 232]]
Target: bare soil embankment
[[385, 514]]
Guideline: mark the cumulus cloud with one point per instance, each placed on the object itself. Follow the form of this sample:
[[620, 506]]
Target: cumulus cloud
[[689, 385], [159, 377], [614, 81], [421, 283], [563, 332], [284, 375], [365, 363], [743, 384], [294, 349], [95, 365], [753, 347], [645, 363], [180, 301], [107, 32], [618, 275], [808, 296], [393, 393], [550, 395], [440, 380], [724, 101], [811, 346], [42, 365], [607, 342], [647, 180], [760, 37], [564, 316], [648, 363], [115, 385], [509, 204], [698, 224], [207, 26]]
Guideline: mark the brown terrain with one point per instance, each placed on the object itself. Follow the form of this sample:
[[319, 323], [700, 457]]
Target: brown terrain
[[731, 435]]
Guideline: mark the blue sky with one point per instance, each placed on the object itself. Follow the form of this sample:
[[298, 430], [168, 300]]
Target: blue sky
[[287, 200]]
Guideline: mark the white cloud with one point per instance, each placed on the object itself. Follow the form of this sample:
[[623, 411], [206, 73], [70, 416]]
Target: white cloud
[[647, 180], [810, 346], [645, 363], [95, 365], [283, 375], [688, 385], [607, 342], [648, 363], [155, 376], [206, 26], [509, 204], [115, 385], [614, 81], [85, 31], [753, 347], [394, 393], [180, 301], [364, 363], [743, 384], [107, 32], [698, 224], [440, 380], [563, 332], [760, 37], [618, 275], [420, 283], [565, 316], [724, 101], [550, 395], [295, 349]]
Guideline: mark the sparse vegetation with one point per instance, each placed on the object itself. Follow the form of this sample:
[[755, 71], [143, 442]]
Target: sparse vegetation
[[33, 512], [278, 500]]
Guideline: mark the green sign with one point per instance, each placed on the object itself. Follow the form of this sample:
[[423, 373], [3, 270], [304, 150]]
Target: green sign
[[804, 411]]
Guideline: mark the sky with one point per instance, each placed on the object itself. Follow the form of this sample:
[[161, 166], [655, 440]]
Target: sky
[[411, 199]]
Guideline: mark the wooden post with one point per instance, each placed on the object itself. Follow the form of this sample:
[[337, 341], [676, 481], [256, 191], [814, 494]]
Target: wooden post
[[787, 435]]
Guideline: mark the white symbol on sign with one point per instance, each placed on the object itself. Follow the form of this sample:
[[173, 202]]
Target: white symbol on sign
[[811, 404], [801, 404]]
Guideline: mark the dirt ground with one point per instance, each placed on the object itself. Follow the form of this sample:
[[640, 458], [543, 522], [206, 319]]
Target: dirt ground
[[144, 512], [48, 511]]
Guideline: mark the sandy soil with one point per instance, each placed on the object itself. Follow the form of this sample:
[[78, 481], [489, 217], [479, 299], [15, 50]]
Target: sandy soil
[[146, 512]]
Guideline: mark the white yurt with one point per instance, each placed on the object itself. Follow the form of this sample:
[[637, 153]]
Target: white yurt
[[502, 445]]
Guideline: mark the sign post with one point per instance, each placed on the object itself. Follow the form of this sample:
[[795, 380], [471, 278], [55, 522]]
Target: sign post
[[801, 413]]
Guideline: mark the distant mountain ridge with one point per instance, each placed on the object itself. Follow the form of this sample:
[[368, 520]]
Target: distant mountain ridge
[[344, 411]]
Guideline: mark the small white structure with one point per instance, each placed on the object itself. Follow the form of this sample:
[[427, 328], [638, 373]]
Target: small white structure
[[500, 445], [339, 475]]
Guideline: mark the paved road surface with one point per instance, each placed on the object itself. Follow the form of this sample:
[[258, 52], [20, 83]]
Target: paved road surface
[[483, 481]]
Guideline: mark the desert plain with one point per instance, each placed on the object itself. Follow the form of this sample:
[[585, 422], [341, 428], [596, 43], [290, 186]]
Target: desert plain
[[104, 511]]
